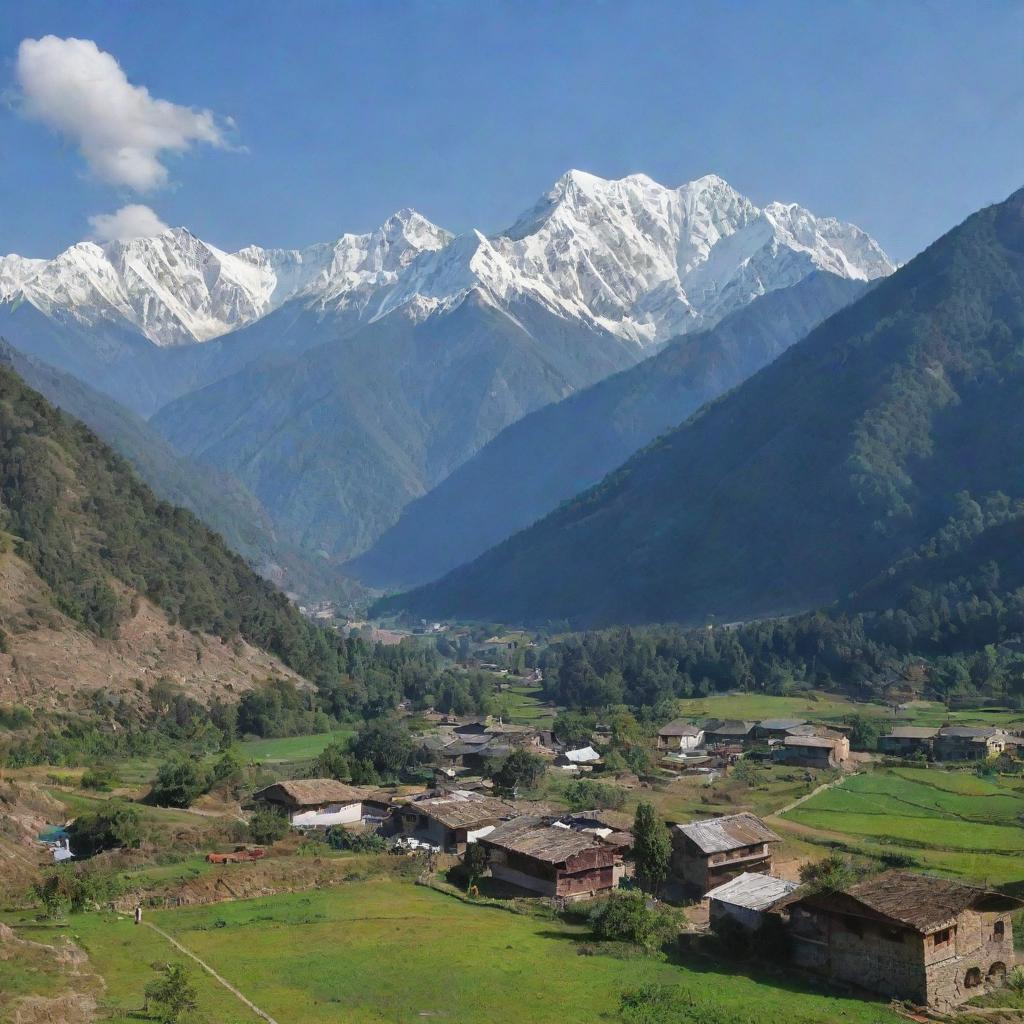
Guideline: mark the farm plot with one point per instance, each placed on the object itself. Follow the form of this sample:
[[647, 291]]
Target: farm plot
[[391, 951], [954, 822]]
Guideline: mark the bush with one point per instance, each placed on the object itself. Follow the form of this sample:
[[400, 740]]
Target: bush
[[587, 795], [341, 838], [100, 778], [114, 827], [626, 917], [74, 888], [268, 825], [179, 782], [172, 994]]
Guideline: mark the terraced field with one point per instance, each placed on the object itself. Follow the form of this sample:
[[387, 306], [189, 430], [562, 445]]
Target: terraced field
[[955, 822]]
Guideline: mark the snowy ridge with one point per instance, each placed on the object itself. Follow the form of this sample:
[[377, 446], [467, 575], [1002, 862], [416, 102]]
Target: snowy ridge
[[633, 257]]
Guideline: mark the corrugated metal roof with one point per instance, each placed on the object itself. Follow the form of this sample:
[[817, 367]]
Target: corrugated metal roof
[[753, 892], [716, 835]]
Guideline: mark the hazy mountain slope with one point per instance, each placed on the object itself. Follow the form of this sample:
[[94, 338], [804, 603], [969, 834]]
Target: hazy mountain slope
[[553, 454], [334, 442], [809, 479]]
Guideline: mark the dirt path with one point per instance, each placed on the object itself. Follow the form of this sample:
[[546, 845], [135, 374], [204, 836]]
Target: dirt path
[[209, 970], [814, 792]]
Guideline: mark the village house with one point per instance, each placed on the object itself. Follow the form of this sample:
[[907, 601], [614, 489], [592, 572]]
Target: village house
[[551, 860], [963, 743], [777, 728], [451, 822], [826, 750], [746, 898], [907, 740], [718, 734], [315, 803], [707, 853], [613, 828], [680, 735], [906, 936]]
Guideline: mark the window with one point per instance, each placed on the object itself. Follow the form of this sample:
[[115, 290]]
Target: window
[[942, 937], [999, 930]]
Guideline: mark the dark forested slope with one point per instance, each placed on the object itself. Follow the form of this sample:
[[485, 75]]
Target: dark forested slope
[[839, 459]]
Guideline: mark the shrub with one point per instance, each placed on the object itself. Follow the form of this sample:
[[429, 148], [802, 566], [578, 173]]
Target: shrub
[[358, 842], [100, 778], [172, 994], [586, 795], [75, 888], [626, 917], [268, 825], [114, 827], [179, 782]]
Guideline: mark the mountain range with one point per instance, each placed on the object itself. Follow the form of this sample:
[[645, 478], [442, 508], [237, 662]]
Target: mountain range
[[335, 384], [830, 467]]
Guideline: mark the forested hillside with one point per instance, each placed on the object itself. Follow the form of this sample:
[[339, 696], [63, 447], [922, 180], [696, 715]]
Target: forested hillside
[[841, 458], [554, 453], [218, 499]]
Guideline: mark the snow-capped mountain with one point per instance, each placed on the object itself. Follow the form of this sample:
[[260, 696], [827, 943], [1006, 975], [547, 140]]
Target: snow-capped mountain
[[632, 257], [641, 260], [176, 289]]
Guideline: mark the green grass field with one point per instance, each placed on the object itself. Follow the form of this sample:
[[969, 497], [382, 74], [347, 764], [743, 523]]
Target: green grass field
[[290, 748], [526, 707], [954, 822], [386, 951]]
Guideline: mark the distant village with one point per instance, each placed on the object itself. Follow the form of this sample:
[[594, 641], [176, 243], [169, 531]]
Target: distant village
[[900, 934]]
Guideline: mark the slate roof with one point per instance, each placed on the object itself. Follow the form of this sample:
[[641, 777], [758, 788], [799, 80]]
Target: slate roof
[[781, 724], [968, 732], [459, 810], [825, 742], [729, 728], [533, 837], [752, 891], [718, 835], [921, 902]]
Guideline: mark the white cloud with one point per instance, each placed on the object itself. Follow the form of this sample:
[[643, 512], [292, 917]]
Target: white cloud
[[76, 88], [132, 221]]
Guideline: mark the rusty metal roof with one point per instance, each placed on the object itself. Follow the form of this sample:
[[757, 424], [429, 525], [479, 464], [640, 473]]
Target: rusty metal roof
[[717, 835]]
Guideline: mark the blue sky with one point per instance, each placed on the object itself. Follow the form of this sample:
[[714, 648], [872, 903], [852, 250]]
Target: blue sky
[[902, 117]]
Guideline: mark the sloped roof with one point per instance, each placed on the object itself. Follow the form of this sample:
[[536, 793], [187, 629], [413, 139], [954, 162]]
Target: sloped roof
[[617, 820], [968, 732], [730, 728], [717, 835], [582, 755], [922, 902], [312, 792], [781, 724], [912, 732], [825, 742], [460, 810], [533, 837], [680, 727], [752, 891]]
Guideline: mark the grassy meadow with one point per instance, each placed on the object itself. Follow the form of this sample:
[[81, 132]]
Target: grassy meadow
[[950, 821], [387, 951]]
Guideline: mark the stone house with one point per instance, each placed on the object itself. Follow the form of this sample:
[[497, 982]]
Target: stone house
[[315, 803], [826, 750], [551, 860], [906, 936], [964, 743], [907, 740], [680, 735], [451, 822], [707, 853]]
